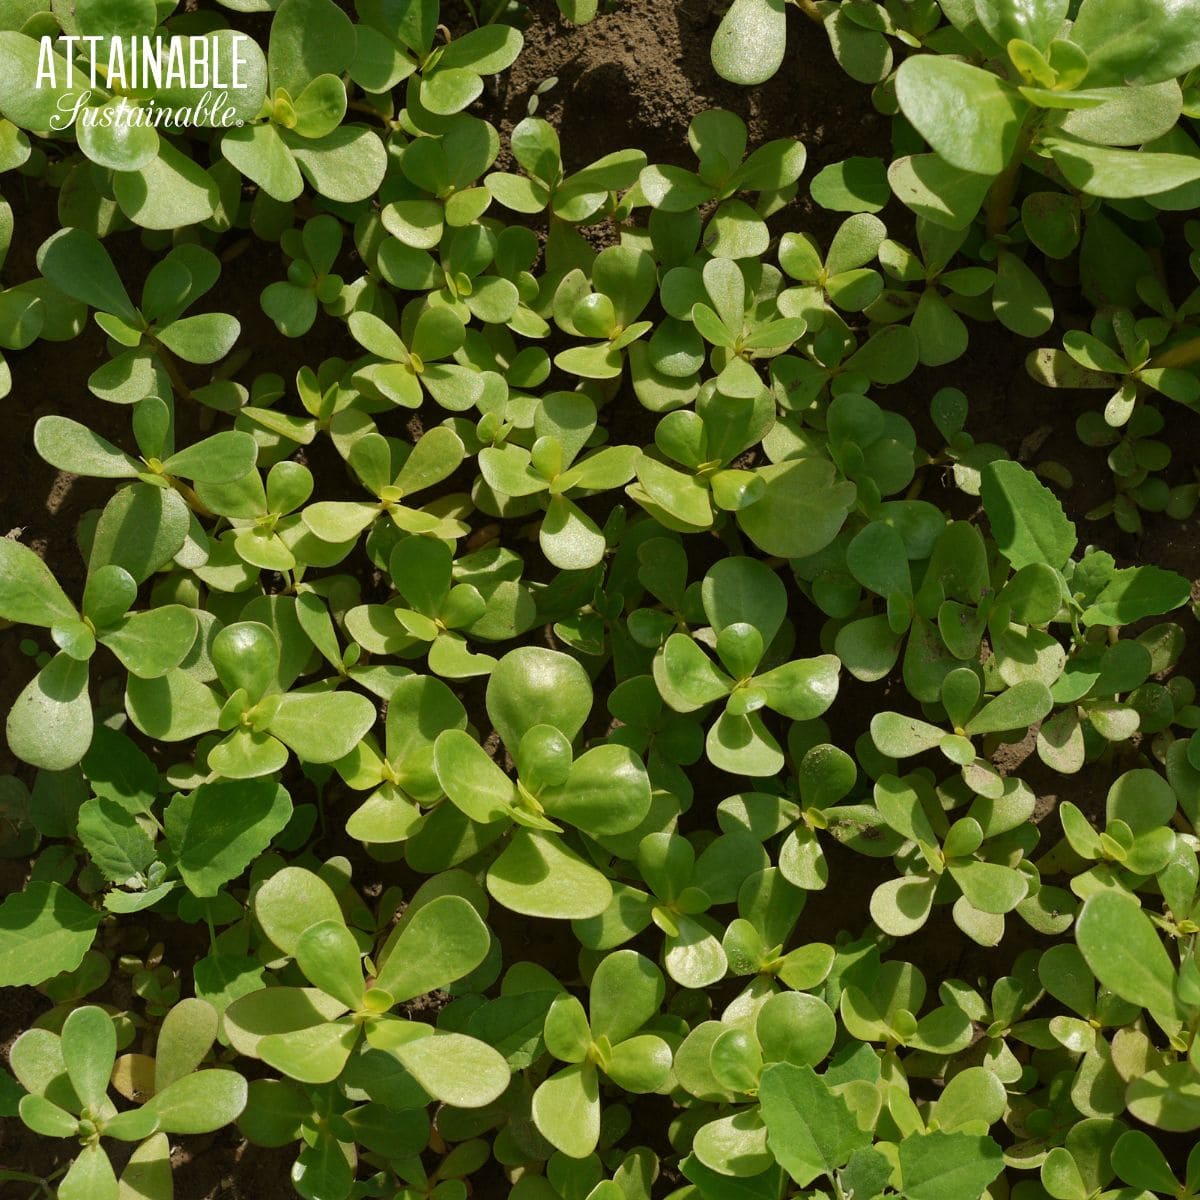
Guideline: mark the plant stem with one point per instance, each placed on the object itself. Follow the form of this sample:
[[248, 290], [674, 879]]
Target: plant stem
[[191, 499], [1005, 184], [810, 10], [370, 111], [172, 369]]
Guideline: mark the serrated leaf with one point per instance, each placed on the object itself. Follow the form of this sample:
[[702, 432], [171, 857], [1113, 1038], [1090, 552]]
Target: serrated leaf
[[1027, 520], [219, 829], [118, 846], [44, 931]]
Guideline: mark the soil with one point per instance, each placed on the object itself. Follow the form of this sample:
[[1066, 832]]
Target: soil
[[636, 76]]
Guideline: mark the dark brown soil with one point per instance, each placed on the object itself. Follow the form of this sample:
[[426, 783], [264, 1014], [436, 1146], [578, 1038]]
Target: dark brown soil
[[635, 77]]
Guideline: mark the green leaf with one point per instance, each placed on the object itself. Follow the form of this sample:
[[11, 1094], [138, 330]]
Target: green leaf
[[934, 189], [25, 105], [187, 1034], [219, 45], [200, 1102], [1135, 41], [44, 931], [735, 1145], [449, 90], [73, 447], [1135, 593], [205, 338], [567, 1035], [1019, 707], [810, 1131], [538, 876], [443, 941], [1124, 952], [606, 792], [266, 1012], [246, 656], [117, 845], [320, 107], [1027, 520], [1033, 21], [878, 559], [222, 979], [795, 1027], [90, 1177], [455, 1069], [170, 192], [968, 115], [259, 153], [801, 511], [29, 593], [322, 727], [347, 165], [486, 50], [743, 589], [173, 707], [147, 1176], [990, 887], [308, 38], [1167, 1098], [141, 529], [219, 829], [119, 20], [513, 1024], [532, 686], [948, 1166], [471, 779], [79, 266], [750, 42], [640, 1065], [329, 956], [566, 1110], [1122, 174], [46, 1118], [1020, 299], [899, 736], [151, 643], [507, 470], [693, 955], [902, 905], [50, 725], [626, 991], [801, 689], [569, 538], [275, 1110], [89, 1048], [321, 1167], [687, 678], [119, 145], [1052, 221], [290, 901], [853, 185], [743, 745]]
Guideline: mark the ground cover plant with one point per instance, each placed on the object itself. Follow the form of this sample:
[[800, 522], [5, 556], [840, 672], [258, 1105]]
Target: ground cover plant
[[599, 600]]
